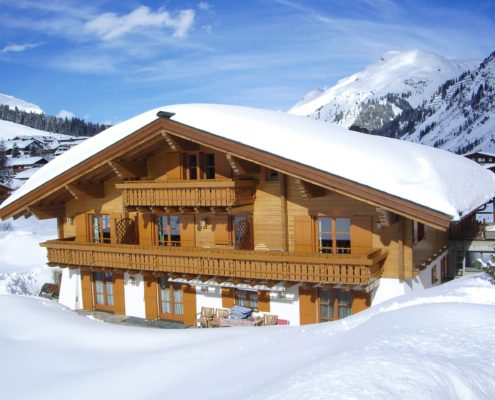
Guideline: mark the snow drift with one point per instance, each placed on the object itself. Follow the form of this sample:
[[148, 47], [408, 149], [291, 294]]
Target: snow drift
[[435, 344]]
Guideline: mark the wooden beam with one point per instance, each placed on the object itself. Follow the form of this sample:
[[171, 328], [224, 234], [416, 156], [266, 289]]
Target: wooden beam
[[308, 190], [179, 144], [86, 190], [128, 170], [385, 217], [240, 166], [47, 212]]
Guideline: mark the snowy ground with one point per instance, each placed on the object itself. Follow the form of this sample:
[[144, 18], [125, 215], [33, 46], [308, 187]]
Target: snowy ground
[[437, 344], [22, 262]]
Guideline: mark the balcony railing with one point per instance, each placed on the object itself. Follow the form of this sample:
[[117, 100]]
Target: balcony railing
[[317, 268], [200, 193]]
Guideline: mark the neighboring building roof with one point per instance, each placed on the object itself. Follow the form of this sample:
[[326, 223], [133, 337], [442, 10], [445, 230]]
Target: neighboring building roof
[[14, 162], [26, 174], [481, 153], [21, 144], [435, 179]]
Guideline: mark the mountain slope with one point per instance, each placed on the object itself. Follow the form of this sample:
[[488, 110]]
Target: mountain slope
[[459, 116], [23, 105], [371, 98]]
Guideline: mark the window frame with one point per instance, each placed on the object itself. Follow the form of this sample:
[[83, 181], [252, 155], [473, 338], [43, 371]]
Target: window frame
[[340, 303], [169, 242], [201, 169], [101, 227], [108, 290], [248, 299], [172, 288], [333, 233]]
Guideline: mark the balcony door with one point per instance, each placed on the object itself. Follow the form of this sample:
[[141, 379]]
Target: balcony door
[[171, 300], [103, 289]]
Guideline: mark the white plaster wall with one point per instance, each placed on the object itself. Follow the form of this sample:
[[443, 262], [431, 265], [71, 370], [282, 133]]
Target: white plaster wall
[[423, 280], [70, 288], [211, 298], [134, 295], [386, 289], [389, 288], [286, 308]]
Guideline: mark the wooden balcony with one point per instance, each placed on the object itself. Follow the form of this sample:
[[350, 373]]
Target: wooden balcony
[[277, 266], [200, 193]]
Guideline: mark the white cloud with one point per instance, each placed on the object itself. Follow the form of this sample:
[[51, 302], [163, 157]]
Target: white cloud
[[109, 26], [18, 48], [65, 114], [203, 5]]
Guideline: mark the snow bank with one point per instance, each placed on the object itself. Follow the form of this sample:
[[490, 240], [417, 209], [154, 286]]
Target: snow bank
[[437, 344], [430, 177], [23, 268]]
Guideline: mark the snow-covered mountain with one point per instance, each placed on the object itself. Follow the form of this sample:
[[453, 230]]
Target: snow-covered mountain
[[373, 97], [23, 105], [459, 116], [10, 130]]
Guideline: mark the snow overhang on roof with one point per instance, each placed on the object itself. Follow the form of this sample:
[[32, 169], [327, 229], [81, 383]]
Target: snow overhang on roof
[[435, 179]]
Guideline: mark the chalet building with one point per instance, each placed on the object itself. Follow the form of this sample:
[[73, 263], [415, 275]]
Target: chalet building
[[481, 157], [195, 206], [16, 165]]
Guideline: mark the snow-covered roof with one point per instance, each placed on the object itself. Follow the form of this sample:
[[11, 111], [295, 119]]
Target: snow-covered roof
[[483, 153], [26, 174], [436, 179], [12, 162]]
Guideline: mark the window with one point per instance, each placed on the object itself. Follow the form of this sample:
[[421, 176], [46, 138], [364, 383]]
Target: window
[[345, 304], [271, 175], [171, 300], [168, 229], [210, 166], [327, 301], [198, 166], [334, 304], [192, 166], [100, 228], [334, 235], [103, 289], [246, 298], [418, 231]]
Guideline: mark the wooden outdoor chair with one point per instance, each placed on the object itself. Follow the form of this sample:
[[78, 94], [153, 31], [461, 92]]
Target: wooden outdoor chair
[[205, 316], [270, 319], [219, 314]]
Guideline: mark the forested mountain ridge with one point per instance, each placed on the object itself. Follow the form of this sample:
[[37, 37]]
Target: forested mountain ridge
[[38, 120]]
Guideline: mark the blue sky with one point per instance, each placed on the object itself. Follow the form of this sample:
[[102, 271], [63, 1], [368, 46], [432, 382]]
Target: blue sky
[[110, 60]]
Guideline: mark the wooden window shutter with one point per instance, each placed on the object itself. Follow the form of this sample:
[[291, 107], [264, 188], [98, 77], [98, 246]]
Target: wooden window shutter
[[223, 229], [146, 225], [118, 293], [114, 218], [227, 297], [264, 301], [87, 290], [187, 230], [81, 221], [173, 166], [150, 297], [360, 301], [189, 301], [303, 234], [307, 305], [361, 234]]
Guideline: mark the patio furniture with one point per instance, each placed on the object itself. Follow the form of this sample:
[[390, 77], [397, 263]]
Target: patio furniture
[[270, 319], [219, 314], [205, 316]]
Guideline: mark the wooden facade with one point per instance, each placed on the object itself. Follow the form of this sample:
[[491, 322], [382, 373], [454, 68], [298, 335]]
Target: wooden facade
[[179, 206]]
